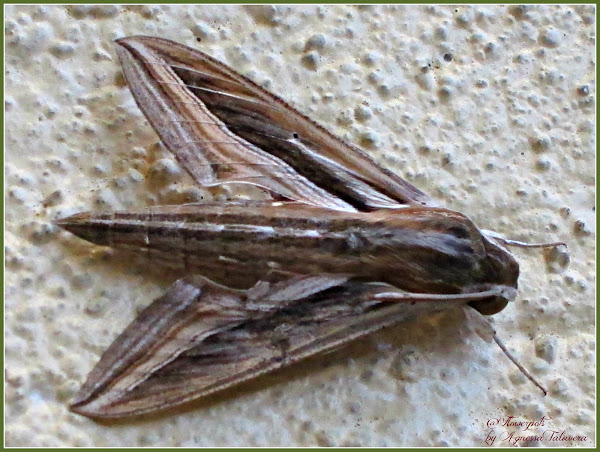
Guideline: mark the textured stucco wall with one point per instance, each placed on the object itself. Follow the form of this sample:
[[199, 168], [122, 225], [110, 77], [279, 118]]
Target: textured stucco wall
[[489, 109]]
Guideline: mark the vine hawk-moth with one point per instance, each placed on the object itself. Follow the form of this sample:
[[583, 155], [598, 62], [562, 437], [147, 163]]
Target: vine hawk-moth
[[344, 248]]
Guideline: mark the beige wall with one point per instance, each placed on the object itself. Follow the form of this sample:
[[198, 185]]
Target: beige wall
[[503, 132]]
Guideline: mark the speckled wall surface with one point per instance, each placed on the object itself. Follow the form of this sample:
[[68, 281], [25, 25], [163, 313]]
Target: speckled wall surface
[[489, 109]]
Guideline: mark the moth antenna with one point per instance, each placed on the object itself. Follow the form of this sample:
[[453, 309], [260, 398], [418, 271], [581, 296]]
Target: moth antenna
[[417, 297], [505, 241], [533, 245], [516, 363]]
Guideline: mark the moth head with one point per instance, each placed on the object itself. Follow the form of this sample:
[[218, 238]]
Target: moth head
[[495, 304], [499, 270]]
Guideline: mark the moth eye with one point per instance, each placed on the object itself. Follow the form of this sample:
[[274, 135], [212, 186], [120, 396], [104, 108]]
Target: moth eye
[[489, 306], [459, 232], [295, 135]]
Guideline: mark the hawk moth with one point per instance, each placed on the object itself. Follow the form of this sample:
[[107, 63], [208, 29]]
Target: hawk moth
[[343, 248]]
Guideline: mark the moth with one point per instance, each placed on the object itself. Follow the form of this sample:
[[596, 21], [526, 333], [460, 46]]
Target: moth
[[344, 247]]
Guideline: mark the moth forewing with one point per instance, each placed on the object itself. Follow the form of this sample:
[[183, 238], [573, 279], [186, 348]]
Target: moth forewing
[[352, 248], [200, 337], [210, 116]]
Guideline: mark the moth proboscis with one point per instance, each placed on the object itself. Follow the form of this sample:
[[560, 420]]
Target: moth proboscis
[[345, 247]]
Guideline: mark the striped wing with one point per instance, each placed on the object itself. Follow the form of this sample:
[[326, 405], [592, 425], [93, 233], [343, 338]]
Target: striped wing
[[201, 337], [222, 127]]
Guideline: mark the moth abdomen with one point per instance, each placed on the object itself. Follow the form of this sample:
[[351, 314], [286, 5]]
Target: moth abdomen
[[423, 250]]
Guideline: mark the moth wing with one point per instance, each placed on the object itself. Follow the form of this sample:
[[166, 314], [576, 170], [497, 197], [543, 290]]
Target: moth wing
[[222, 127], [201, 337], [192, 310]]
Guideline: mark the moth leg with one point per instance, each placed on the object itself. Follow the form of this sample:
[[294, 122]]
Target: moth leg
[[483, 327], [485, 330]]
